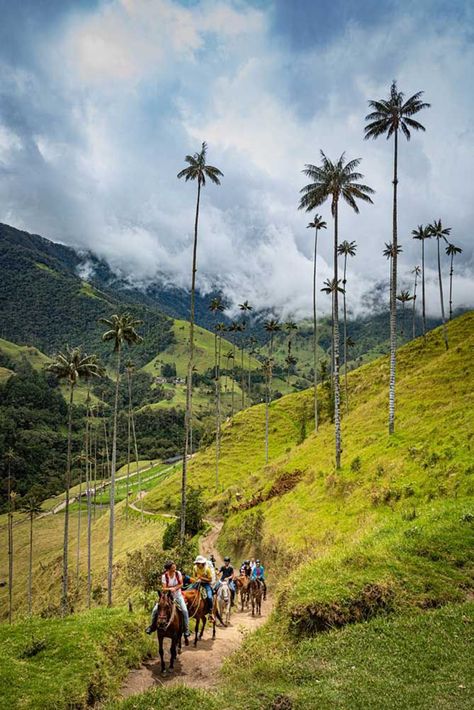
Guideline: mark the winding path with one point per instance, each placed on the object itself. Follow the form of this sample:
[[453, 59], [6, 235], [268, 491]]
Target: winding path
[[199, 667]]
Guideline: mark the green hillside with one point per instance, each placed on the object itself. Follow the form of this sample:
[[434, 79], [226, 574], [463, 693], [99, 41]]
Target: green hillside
[[19, 353]]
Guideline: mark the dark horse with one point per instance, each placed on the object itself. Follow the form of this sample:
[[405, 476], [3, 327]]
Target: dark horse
[[255, 589], [169, 624], [197, 608]]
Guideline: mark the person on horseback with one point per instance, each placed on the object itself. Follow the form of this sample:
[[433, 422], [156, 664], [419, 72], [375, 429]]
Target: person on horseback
[[258, 573], [203, 574], [246, 569], [172, 581], [227, 572]]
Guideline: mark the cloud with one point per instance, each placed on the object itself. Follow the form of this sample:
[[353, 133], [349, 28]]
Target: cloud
[[97, 118]]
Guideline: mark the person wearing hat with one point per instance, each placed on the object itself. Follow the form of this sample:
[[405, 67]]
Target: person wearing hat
[[227, 572], [203, 574], [172, 581]]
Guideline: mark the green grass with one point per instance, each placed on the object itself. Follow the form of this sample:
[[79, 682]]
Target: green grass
[[17, 353], [69, 662], [5, 374]]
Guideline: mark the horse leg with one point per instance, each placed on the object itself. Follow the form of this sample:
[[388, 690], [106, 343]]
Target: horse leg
[[162, 655], [173, 652], [203, 625], [196, 630]]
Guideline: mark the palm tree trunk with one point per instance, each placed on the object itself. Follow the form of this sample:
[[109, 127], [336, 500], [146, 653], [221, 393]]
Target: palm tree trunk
[[423, 284], [30, 566], [267, 413], [64, 601], [345, 335], [337, 393], [189, 382], [249, 392], [414, 307], [89, 535], [78, 551], [315, 334], [129, 436], [451, 272], [393, 295], [233, 377], [138, 469], [112, 487], [10, 547], [445, 331], [242, 378], [216, 379]]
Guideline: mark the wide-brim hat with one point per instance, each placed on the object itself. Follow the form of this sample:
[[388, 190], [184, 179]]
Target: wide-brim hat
[[200, 560]]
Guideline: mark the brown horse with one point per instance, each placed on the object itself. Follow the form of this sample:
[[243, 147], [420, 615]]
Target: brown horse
[[255, 588], [197, 608], [169, 624], [242, 588]]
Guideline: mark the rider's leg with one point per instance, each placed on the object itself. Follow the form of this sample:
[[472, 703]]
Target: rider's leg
[[208, 589], [154, 616], [232, 592], [184, 609]]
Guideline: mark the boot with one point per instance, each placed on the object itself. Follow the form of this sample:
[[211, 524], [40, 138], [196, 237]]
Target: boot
[[154, 615]]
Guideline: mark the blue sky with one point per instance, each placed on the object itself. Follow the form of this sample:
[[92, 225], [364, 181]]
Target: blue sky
[[100, 101]]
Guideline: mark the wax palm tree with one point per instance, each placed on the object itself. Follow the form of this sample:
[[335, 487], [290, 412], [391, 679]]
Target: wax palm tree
[[404, 297], [346, 249], [234, 328], [32, 506], [439, 232], [290, 361], [10, 457], [317, 224], [272, 327], [121, 329], [416, 272], [451, 251], [228, 356], [220, 328], [245, 307], [71, 366], [130, 369], [251, 343], [333, 180], [197, 170], [389, 117], [421, 233], [216, 306]]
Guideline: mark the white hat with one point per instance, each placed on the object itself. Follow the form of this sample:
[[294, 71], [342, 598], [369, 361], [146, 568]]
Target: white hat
[[200, 560]]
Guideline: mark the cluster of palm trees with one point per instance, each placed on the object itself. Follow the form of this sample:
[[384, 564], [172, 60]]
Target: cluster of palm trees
[[74, 366]]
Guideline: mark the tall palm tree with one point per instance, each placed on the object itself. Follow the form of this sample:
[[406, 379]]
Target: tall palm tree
[[439, 232], [333, 180], [290, 361], [71, 366], [219, 329], [404, 297], [234, 328], [121, 329], [416, 271], [271, 326], [389, 117], [317, 224], [130, 369], [252, 342], [228, 356], [245, 307], [197, 170], [216, 306], [10, 457], [346, 249], [32, 506], [421, 233], [451, 250]]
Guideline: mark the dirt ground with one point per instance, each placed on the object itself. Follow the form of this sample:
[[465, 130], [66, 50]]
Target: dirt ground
[[198, 667]]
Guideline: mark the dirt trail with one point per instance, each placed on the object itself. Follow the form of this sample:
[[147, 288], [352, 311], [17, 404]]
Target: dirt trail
[[198, 667]]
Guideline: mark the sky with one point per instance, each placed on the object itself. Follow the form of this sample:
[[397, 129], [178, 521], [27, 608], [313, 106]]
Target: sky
[[100, 101]]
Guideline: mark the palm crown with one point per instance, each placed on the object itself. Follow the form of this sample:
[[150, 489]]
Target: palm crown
[[451, 250], [346, 248], [437, 230], [394, 113], [122, 329], [421, 233], [74, 364], [216, 305], [332, 285], [199, 170], [317, 223], [334, 180], [389, 251]]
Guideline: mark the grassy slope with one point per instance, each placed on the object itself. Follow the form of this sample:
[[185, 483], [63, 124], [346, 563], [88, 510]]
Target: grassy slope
[[17, 353], [78, 659]]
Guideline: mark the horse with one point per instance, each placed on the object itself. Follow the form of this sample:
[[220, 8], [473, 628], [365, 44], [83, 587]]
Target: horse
[[169, 624], [256, 593], [223, 601], [197, 610], [242, 587]]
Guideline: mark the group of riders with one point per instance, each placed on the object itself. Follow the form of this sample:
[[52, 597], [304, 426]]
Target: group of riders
[[209, 579]]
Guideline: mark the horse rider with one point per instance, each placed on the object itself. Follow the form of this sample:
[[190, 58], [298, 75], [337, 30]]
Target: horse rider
[[172, 581], [246, 569], [213, 567], [227, 572], [258, 573], [252, 564], [202, 573]]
